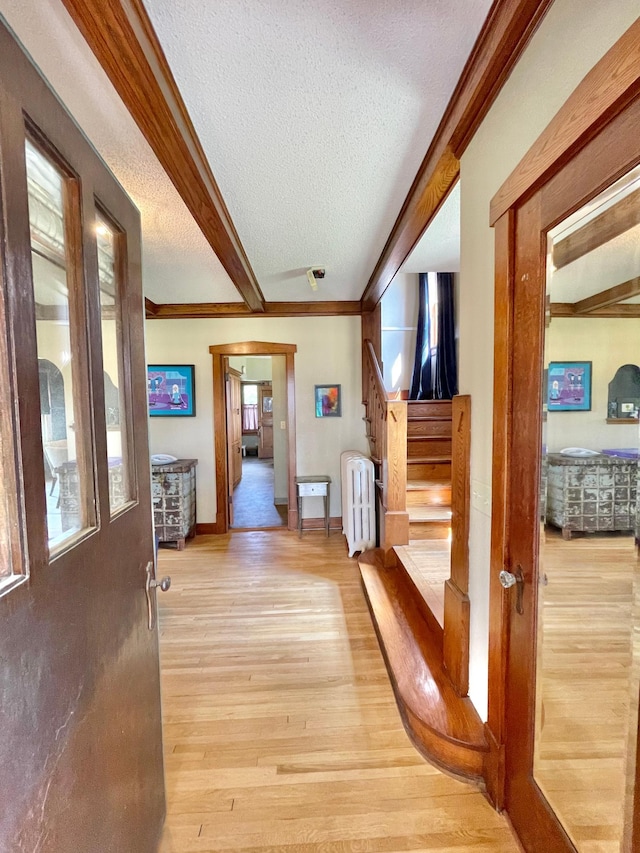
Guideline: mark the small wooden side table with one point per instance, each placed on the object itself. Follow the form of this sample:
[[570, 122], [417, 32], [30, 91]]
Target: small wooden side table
[[319, 485]]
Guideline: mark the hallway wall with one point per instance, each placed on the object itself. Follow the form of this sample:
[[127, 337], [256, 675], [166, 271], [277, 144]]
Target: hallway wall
[[329, 351], [568, 43]]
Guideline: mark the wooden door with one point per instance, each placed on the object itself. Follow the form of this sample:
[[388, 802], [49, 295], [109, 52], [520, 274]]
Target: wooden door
[[265, 421], [81, 750], [234, 426], [580, 711]]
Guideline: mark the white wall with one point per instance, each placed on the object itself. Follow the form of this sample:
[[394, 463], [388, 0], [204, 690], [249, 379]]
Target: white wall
[[608, 344], [329, 351], [399, 323], [570, 40]]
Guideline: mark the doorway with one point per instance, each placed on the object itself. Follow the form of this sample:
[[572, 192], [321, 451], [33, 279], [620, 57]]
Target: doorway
[[254, 435], [256, 403], [565, 617]]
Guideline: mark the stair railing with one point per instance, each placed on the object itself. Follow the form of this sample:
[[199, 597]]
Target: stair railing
[[386, 421]]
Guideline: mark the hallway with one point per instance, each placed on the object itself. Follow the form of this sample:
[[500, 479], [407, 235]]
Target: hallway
[[253, 496], [281, 730]]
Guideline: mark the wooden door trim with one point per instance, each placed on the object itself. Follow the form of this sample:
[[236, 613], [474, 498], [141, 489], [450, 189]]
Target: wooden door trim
[[606, 90], [218, 353], [568, 183]]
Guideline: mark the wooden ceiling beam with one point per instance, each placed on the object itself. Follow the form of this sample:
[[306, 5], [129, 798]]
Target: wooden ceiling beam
[[614, 221], [610, 296], [567, 309], [120, 34], [506, 32], [184, 311]]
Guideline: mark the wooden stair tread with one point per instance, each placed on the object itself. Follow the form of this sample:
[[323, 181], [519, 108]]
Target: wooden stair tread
[[444, 726], [433, 512], [427, 460]]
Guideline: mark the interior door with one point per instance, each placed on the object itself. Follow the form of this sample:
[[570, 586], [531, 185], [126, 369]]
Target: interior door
[[572, 516], [81, 750], [265, 420]]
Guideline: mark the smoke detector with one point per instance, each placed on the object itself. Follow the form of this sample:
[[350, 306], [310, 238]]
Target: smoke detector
[[313, 274]]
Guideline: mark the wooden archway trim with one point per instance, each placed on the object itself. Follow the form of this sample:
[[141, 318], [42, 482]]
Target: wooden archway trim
[[218, 353], [599, 102]]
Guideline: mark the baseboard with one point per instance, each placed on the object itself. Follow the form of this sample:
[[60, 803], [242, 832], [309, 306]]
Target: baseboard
[[207, 528]]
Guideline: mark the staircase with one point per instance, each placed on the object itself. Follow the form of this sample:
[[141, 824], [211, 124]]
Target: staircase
[[429, 469]]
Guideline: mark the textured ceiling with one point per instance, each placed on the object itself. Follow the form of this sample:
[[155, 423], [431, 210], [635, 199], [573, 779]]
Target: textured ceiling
[[315, 118], [179, 265]]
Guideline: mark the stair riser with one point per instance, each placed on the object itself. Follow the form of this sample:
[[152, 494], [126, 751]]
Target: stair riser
[[429, 530], [429, 409], [429, 471], [429, 497], [429, 428], [431, 447]]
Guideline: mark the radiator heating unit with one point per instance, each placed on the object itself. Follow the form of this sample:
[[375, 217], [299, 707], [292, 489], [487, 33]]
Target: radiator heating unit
[[358, 501]]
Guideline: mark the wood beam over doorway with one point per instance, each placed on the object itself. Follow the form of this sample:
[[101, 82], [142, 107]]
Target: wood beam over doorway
[[120, 34]]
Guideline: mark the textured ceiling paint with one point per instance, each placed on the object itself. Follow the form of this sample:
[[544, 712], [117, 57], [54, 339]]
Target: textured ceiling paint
[[439, 247], [178, 263], [315, 118]]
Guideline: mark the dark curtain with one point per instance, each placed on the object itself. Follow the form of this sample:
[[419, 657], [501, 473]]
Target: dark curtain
[[435, 371], [446, 367], [421, 383]]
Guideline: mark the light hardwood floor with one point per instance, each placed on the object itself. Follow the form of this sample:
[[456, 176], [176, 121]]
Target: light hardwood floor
[[584, 678], [281, 730]]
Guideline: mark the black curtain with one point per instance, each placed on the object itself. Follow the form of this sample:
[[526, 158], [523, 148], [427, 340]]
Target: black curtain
[[421, 381], [446, 367], [435, 370]]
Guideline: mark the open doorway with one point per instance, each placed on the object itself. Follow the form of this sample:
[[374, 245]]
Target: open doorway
[[256, 386], [255, 449]]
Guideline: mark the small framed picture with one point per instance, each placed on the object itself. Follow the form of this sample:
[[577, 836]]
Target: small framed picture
[[328, 401], [171, 390], [569, 386]]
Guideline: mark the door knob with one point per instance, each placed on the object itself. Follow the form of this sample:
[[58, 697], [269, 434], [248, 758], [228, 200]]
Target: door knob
[[164, 584], [507, 579]]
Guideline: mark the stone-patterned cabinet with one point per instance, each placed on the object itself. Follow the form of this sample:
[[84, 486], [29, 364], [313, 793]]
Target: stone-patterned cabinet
[[174, 500], [591, 494]]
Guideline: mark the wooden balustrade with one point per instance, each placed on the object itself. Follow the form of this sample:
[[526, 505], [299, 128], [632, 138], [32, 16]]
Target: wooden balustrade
[[386, 421]]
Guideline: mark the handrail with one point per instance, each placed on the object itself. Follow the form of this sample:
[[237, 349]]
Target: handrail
[[375, 370], [386, 419]]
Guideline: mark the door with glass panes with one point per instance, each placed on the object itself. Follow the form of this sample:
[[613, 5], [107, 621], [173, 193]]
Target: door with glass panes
[[81, 750]]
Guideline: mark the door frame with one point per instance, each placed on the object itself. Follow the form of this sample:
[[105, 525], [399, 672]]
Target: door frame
[[218, 354], [597, 117]]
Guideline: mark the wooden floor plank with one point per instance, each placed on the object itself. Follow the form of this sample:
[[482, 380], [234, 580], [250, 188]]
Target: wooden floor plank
[[281, 729]]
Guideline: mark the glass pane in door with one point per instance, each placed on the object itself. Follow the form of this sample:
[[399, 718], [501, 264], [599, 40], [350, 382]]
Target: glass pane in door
[[59, 300], [587, 673], [109, 240]]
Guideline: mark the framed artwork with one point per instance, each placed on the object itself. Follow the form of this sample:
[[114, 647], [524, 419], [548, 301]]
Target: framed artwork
[[569, 386], [171, 390], [328, 401]]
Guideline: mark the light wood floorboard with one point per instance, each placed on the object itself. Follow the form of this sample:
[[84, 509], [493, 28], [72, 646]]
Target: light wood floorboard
[[281, 730]]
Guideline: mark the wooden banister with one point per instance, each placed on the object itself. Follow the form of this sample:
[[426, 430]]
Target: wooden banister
[[386, 421]]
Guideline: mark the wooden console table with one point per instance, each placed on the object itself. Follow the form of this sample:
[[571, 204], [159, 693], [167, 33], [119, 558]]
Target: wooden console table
[[319, 486]]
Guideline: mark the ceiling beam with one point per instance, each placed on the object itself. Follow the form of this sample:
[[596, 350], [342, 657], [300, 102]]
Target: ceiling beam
[[506, 32], [610, 296], [212, 310], [120, 34], [607, 226], [567, 309]]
